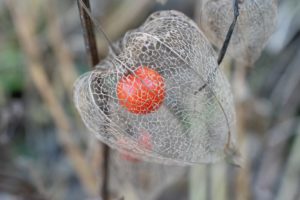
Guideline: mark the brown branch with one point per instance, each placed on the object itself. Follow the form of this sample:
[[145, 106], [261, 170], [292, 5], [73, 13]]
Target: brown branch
[[230, 31], [92, 51], [105, 167], [89, 35]]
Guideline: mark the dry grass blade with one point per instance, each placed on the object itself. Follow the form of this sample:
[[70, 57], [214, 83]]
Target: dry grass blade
[[289, 187], [65, 59], [25, 30], [274, 159]]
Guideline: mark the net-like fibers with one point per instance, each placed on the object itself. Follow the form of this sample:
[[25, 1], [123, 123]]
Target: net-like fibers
[[195, 122], [256, 22]]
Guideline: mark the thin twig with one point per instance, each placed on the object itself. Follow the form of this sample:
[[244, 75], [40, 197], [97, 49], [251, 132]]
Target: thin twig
[[227, 39], [105, 167], [88, 32], [98, 26], [230, 31], [87, 21]]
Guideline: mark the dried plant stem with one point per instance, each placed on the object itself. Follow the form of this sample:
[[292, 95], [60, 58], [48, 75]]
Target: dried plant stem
[[87, 11], [227, 38], [219, 181], [230, 31], [289, 187], [25, 30], [197, 180], [208, 181], [92, 51], [205, 180], [240, 91], [66, 65], [88, 32], [105, 167]]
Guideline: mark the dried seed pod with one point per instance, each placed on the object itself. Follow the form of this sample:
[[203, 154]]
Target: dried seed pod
[[255, 24], [195, 123]]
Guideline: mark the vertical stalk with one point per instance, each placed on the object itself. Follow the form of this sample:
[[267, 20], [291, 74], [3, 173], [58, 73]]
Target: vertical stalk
[[230, 31], [88, 33], [208, 180], [93, 59], [105, 168], [240, 92]]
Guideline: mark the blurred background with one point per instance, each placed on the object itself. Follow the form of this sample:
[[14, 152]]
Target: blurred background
[[47, 153]]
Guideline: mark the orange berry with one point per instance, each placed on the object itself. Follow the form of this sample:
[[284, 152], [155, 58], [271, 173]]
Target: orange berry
[[141, 92]]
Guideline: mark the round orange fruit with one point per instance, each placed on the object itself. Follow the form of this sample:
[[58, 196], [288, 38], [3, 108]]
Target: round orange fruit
[[142, 91]]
